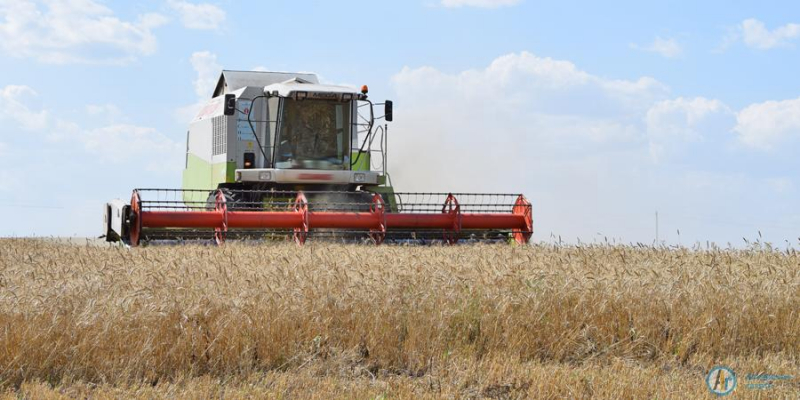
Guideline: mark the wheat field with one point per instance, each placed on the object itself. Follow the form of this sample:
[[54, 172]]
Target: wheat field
[[380, 322]]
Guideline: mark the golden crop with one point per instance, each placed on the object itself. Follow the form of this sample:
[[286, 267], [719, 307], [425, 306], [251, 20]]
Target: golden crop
[[351, 321]]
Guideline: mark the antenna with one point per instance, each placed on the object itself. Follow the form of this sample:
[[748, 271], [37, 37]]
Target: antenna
[[656, 227]]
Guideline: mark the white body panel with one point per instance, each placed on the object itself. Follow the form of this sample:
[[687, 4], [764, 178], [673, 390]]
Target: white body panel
[[199, 141], [113, 220], [237, 134], [230, 81], [242, 139], [301, 176], [288, 88]]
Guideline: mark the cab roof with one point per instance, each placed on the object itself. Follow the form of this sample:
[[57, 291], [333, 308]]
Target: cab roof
[[230, 81], [290, 87]]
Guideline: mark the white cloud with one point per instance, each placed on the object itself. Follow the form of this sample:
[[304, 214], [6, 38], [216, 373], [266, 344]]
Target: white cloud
[[668, 48], [546, 103], [70, 31], [198, 16], [103, 109], [83, 146], [537, 85], [754, 34], [125, 144], [521, 110], [112, 144], [593, 154], [480, 3], [108, 112], [765, 125], [13, 107], [671, 124], [185, 114], [207, 69]]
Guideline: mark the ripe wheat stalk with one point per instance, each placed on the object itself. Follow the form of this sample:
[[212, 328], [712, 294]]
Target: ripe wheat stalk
[[332, 320]]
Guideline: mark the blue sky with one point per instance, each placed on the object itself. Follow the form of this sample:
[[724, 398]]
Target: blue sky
[[601, 113]]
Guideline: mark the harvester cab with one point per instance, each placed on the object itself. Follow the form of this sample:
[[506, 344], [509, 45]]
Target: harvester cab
[[279, 153], [291, 133]]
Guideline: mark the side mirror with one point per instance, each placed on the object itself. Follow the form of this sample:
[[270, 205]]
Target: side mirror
[[387, 110], [230, 104]]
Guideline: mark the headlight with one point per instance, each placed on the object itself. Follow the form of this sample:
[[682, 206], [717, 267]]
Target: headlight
[[360, 177], [265, 176], [238, 176]]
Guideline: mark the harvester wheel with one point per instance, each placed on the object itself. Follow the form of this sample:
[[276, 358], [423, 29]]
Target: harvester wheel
[[221, 206], [135, 218], [452, 207], [378, 207], [523, 207], [301, 206], [231, 199]]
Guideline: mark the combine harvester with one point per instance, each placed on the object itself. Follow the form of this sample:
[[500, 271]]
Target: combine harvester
[[278, 154]]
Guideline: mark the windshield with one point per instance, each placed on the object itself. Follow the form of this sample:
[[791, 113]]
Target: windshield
[[314, 134]]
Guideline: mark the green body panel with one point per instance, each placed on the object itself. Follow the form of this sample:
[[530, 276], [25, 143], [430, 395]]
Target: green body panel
[[197, 174], [223, 173], [363, 164], [363, 161], [200, 174], [388, 194]]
